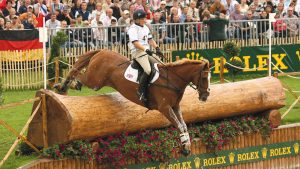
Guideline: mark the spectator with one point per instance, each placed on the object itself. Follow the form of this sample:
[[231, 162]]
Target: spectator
[[255, 13], [52, 24], [2, 24], [114, 33], [159, 30], [245, 7], [28, 14], [237, 13], [155, 4], [138, 5], [184, 14], [79, 22], [217, 6], [87, 34], [2, 5], [15, 23], [116, 9], [169, 5], [263, 26], [279, 26], [247, 28], [65, 16], [8, 7], [205, 15], [124, 20], [131, 10], [28, 24], [99, 34], [257, 5], [174, 12], [162, 9], [8, 25], [107, 20], [75, 8], [40, 8], [204, 5], [24, 6], [98, 10], [229, 6], [194, 12], [149, 15], [216, 28], [291, 22], [125, 5], [74, 36], [56, 5], [94, 22], [107, 5], [86, 16], [91, 6], [175, 33], [12, 12], [279, 10]]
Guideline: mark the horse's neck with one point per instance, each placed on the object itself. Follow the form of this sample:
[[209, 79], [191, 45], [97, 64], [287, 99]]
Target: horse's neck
[[185, 72]]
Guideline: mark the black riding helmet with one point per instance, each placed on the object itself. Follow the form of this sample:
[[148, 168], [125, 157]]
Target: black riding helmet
[[139, 14]]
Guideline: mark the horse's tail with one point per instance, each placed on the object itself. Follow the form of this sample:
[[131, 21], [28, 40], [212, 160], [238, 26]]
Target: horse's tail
[[81, 63]]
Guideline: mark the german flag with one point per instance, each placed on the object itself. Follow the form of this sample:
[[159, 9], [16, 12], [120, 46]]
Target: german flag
[[19, 40]]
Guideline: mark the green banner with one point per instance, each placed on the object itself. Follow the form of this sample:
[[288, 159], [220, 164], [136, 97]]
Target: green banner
[[227, 157], [285, 57]]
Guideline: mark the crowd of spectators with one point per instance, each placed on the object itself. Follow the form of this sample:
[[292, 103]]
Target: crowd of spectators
[[90, 14]]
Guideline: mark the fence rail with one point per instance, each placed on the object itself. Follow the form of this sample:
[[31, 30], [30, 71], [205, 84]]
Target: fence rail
[[24, 69]]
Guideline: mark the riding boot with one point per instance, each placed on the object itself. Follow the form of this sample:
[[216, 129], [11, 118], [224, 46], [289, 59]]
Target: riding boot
[[142, 92]]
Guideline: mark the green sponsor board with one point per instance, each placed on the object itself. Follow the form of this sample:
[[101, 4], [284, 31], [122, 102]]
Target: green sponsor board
[[285, 57], [227, 157]]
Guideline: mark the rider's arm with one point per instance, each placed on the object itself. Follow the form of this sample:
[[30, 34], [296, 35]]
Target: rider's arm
[[138, 45], [153, 43]]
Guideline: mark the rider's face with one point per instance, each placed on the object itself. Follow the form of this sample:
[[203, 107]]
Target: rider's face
[[142, 21]]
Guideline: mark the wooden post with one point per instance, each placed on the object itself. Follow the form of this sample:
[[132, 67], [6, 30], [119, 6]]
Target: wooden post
[[56, 70], [177, 58], [267, 66], [222, 70], [44, 113], [275, 74]]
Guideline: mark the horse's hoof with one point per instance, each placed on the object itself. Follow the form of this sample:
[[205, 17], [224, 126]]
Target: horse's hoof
[[185, 152], [56, 86], [78, 85]]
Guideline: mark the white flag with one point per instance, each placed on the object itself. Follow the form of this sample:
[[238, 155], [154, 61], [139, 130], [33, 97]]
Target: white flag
[[272, 17]]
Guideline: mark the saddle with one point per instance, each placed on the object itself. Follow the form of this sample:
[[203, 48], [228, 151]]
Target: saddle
[[134, 72]]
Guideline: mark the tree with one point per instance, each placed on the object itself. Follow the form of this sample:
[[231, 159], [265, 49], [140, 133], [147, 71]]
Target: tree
[[235, 63]]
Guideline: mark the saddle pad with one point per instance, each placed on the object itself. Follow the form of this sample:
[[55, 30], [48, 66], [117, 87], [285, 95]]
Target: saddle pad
[[132, 74]]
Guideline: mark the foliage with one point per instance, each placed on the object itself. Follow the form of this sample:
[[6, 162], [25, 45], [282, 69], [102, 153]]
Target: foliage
[[159, 145], [232, 52], [1, 92], [57, 42]]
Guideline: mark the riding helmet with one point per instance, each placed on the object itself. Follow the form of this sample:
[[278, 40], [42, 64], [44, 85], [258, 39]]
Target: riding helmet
[[139, 14]]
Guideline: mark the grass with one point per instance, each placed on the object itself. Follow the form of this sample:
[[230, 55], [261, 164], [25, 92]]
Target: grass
[[17, 116]]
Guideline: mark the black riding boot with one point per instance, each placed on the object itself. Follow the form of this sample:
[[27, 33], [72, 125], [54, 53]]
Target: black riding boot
[[142, 92]]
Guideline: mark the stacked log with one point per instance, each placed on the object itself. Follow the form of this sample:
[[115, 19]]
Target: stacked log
[[84, 117]]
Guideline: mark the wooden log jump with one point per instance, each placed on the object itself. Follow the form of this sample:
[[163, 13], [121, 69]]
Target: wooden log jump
[[83, 117]]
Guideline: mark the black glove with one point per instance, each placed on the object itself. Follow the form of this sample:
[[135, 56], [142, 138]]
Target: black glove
[[159, 53], [149, 52]]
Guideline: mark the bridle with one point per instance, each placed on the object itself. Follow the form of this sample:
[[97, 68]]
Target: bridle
[[200, 87]]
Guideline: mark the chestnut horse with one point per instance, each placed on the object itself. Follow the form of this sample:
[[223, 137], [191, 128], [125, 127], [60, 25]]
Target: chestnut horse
[[106, 68]]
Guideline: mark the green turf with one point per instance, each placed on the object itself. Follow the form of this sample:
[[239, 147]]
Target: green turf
[[17, 117]]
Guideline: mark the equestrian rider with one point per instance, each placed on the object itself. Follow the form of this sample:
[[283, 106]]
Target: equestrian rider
[[140, 39]]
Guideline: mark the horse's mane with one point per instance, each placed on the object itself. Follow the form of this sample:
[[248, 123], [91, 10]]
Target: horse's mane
[[184, 61]]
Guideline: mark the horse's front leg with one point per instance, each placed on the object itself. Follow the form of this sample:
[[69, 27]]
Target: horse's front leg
[[184, 136], [178, 114]]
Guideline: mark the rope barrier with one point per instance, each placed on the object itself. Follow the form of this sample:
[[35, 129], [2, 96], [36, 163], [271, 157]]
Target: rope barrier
[[294, 77], [292, 91], [291, 107], [27, 84], [19, 103], [245, 68], [65, 63], [215, 82], [227, 81]]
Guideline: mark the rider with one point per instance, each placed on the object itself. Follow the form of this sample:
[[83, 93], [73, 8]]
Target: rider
[[139, 40]]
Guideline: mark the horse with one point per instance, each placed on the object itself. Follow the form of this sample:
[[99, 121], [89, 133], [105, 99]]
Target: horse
[[106, 68]]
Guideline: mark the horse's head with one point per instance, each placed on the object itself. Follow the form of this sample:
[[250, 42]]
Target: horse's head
[[202, 80]]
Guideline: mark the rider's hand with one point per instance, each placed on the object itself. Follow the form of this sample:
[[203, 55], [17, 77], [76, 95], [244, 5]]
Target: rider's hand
[[159, 53], [149, 52]]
